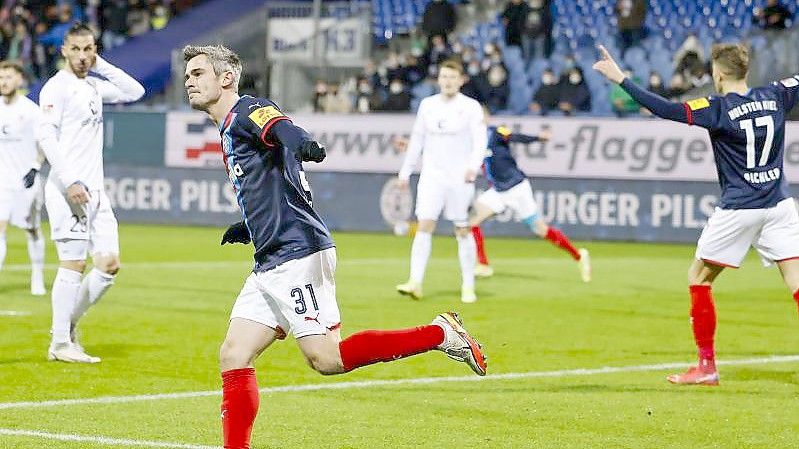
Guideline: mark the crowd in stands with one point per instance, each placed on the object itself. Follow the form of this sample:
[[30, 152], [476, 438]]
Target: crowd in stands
[[31, 31], [400, 80]]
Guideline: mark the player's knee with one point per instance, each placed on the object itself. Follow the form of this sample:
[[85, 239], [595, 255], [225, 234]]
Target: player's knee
[[462, 231], [325, 363], [108, 264], [426, 226], [234, 356], [74, 265]]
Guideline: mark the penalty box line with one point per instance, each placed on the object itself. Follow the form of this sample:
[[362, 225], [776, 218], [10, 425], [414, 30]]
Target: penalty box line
[[393, 382]]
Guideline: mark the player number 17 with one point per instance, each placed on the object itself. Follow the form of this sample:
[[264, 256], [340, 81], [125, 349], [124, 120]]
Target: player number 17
[[746, 125]]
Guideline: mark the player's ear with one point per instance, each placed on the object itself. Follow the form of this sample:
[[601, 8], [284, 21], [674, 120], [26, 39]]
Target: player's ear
[[227, 79]]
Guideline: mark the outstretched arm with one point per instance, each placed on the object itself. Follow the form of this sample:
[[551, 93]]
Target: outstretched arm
[[655, 103]]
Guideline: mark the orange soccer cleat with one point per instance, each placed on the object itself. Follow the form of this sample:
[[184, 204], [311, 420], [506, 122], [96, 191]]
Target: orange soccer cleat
[[697, 375]]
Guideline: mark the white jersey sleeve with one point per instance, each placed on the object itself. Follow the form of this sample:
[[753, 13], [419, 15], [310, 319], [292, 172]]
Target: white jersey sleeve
[[479, 134], [51, 101], [118, 87], [415, 144]]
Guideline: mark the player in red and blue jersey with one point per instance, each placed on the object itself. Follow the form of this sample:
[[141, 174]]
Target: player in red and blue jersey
[[747, 131], [292, 286], [510, 189]]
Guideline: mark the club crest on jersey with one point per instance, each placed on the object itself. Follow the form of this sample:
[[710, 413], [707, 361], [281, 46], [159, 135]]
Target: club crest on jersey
[[699, 103], [262, 116]]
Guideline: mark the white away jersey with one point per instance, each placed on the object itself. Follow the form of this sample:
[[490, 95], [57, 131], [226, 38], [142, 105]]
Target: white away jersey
[[451, 136], [18, 152], [71, 134]]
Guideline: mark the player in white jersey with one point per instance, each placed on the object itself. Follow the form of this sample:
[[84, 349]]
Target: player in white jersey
[[450, 135], [81, 218], [20, 187]]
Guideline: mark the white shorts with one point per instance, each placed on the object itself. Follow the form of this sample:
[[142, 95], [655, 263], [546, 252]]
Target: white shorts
[[22, 207], [433, 196], [729, 233], [298, 296], [518, 198], [80, 231]]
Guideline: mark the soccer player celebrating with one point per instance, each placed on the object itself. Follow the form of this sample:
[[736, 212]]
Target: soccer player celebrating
[[292, 287], [747, 132], [450, 135], [20, 187], [510, 189], [82, 221]]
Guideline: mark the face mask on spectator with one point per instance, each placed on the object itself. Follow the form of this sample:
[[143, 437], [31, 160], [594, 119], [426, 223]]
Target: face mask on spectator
[[568, 64], [575, 78], [364, 88], [548, 78], [473, 70], [395, 88], [655, 80], [457, 47], [496, 76], [488, 49]]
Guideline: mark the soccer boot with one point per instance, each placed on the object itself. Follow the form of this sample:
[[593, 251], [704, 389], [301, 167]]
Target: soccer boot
[[467, 295], [67, 352], [584, 264], [482, 270], [410, 288], [696, 375], [459, 345]]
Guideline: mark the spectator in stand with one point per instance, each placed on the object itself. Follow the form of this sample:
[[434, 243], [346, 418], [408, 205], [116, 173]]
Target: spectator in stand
[[574, 93], [399, 100], [438, 19], [657, 87], [159, 17], [475, 84], [412, 72], [20, 45], [689, 56], [320, 92], [497, 93], [677, 86], [138, 18], [439, 51], [6, 34], [537, 40], [336, 100], [631, 15], [547, 96], [365, 99], [492, 56], [54, 37], [773, 17], [622, 103], [514, 18], [114, 23]]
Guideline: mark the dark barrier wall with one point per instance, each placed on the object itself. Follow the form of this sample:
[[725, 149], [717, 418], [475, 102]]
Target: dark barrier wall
[[587, 209]]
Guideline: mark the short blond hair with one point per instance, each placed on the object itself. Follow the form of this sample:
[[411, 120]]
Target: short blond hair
[[221, 58], [731, 59], [453, 64]]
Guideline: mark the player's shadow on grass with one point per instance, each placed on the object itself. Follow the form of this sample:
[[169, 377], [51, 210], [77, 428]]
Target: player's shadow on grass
[[525, 276]]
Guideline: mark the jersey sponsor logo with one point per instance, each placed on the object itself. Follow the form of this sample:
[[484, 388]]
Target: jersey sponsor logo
[[699, 103], [790, 82], [504, 132], [262, 116]]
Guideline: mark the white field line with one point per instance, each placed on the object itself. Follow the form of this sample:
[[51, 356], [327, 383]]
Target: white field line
[[13, 313], [105, 441], [395, 382]]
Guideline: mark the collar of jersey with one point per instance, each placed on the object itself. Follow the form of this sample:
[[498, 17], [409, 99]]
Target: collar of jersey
[[229, 116]]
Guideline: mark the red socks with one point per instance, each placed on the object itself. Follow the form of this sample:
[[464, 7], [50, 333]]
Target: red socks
[[561, 241], [239, 407], [796, 297], [367, 347], [703, 320], [478, 239]]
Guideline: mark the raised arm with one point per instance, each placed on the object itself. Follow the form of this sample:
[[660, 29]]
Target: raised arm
[[119, 87], [655, 103]]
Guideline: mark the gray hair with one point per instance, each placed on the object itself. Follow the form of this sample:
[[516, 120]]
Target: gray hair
[[221, 58]]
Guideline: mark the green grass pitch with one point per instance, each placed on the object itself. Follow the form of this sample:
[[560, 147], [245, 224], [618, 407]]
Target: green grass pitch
[[158, 331]]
